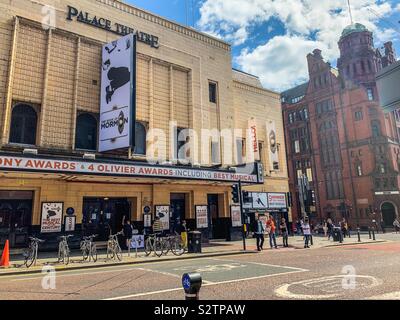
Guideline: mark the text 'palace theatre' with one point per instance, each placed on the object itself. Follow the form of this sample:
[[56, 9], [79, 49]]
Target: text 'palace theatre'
[[108, 112]]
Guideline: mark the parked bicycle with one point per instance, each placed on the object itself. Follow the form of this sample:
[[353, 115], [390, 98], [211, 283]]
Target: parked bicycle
[[63, 250], [31, 253], [174, 244], [88, 248], [113, 248], [153, 243]]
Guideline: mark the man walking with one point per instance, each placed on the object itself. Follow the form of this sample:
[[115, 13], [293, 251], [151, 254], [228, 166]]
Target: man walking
[[259, 231], [307, 233], [284, 231]]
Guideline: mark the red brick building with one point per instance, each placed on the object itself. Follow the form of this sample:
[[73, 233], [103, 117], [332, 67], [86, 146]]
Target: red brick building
[[343, 150]]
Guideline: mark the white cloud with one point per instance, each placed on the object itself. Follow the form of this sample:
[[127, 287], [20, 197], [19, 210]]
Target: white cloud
[[281, 61]]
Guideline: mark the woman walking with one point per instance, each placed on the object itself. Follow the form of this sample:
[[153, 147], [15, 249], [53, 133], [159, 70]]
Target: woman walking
[[284, 231]]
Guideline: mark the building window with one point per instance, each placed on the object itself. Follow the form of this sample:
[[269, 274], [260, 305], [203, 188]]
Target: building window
[[382, 168], [305, 111], [370, 93], [291, 118], [240, 150], [182, 142], [358, 115], [297, 146], [140, 138], [375, 128], [212, 87], [86, 132], [23, 125], [359, 170], [215, 153]]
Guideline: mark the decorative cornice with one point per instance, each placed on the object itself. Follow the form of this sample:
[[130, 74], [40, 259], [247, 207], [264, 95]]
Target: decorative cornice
[[262, 91], [167, 24]]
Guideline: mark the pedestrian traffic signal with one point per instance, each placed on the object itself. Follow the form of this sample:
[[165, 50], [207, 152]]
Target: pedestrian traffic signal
[[235, 193], [246, 197]]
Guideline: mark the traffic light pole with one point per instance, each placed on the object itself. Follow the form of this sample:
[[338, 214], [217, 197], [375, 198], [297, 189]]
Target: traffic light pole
[[243, 216]]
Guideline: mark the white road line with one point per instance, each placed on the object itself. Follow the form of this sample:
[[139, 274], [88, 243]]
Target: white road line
[[386, 296], [170, 274], [206, 285], [264, 264]]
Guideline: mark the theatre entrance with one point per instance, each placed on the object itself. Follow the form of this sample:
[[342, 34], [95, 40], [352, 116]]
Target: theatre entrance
[[104, 216]]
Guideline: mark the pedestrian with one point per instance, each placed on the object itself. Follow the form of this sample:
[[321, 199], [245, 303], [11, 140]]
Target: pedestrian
[[343, 227], [383, 226], [298, 226], [184, 235], [284, 231], [128, 233], [396, 225], [259, 231], [307, 233], [271, 228], [325, 228], [330, 228]]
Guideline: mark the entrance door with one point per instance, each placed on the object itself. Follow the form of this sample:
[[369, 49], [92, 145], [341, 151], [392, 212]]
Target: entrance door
[[15, 218], [103, 216], [178, 206], [388, 214], [217, 226]]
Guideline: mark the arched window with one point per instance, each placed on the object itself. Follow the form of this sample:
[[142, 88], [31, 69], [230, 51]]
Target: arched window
[[86, 132], [23, 125], [140, 138]]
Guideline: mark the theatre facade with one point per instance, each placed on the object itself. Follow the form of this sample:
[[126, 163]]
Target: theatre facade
[[196, 126]]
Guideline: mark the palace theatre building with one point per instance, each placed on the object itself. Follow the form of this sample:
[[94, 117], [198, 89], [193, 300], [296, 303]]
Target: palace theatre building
[[54, 179]]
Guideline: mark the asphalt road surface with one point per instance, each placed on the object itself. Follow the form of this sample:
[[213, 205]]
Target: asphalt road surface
[[350, 272]]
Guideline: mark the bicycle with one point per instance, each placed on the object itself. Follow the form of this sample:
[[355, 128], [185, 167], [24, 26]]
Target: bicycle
[[153, 243], [88, 248], [31, 253], [113, 248], [63, 249], [174, 244]]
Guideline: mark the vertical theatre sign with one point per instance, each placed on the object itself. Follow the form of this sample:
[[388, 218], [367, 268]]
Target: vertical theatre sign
[[254, 139], [118, 94], [272, 146]]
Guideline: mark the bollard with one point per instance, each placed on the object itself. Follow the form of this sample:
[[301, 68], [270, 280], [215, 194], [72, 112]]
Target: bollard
[[136, 249], [311, 240], [191, 283], [358, 235]]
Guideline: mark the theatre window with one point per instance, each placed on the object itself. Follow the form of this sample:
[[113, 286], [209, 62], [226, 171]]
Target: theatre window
[[213, 92], [23, 125], [140, 138], [86, 132]]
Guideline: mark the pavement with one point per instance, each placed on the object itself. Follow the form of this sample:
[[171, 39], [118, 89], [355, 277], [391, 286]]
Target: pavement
[[214, 249], [366, 271]]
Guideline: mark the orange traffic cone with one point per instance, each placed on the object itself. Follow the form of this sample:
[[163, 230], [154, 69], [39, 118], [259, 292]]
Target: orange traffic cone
[[5, 258]]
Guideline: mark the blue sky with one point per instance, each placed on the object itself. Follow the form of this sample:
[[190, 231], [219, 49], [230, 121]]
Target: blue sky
[[271, 38]]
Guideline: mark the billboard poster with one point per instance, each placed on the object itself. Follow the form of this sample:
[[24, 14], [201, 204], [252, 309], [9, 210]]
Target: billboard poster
[[163, 213], [202, 217], [51, 219], [137, 242], [272, 146], [260, 200], [117, 102], [236, 216], [277, 201]]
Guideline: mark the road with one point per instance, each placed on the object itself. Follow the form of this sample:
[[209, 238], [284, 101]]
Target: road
[[369, 271]]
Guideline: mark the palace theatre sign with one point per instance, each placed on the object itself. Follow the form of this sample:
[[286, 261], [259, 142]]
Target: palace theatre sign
[[105, 24]]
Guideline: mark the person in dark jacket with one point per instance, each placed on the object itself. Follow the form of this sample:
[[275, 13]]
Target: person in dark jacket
[[259, 230], [285, 233], [128, 233]]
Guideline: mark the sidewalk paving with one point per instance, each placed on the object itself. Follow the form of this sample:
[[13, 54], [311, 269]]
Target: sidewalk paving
[[214, 249]]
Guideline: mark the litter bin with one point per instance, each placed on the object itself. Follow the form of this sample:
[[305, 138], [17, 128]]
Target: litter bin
[[337, 235], [194, 242]]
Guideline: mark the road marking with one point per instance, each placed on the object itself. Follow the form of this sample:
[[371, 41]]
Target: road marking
[[386, 296], [284, 290], [206, 285], [265, 264]]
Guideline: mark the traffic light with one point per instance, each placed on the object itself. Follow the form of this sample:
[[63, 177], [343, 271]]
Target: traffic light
[[235, 193], [246, 197]]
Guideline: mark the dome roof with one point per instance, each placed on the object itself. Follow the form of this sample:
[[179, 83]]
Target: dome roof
[[355, 27]]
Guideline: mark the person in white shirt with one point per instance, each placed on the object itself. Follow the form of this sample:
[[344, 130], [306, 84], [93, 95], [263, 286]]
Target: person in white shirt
[[307, 233]]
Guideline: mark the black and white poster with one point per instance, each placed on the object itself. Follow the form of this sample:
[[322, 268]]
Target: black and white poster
[[163, 213], [51, 219], [117, 110]]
